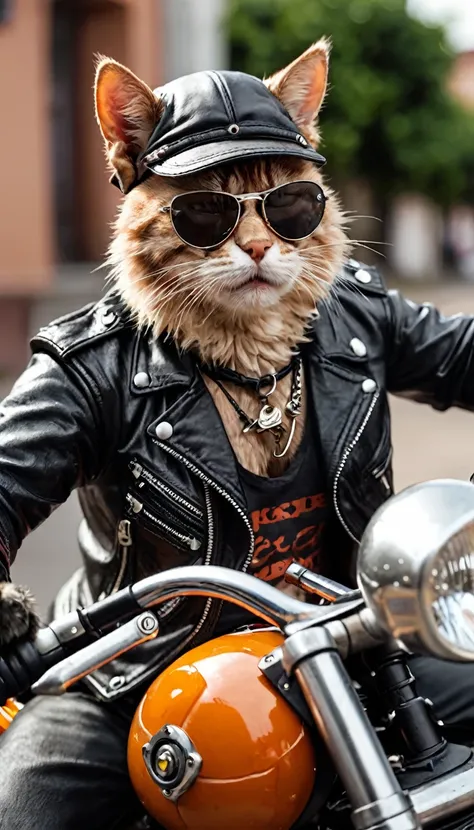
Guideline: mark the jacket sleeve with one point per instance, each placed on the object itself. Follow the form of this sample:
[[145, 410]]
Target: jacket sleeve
[[430, 357], [52, 439]]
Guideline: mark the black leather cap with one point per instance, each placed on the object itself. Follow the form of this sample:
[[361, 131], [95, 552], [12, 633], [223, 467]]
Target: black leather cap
[[214, 117]]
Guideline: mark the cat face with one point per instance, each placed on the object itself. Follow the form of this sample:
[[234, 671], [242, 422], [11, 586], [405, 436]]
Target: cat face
[[254, 273]]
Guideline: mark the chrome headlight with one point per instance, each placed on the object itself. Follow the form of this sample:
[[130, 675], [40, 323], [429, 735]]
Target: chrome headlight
[[416, 568]]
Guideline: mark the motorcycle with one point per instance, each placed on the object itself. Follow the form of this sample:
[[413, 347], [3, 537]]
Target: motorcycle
[[265, 728]]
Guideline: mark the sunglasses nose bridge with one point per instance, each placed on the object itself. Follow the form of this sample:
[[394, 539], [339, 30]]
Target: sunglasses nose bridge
[[259, 198], [247, 197]]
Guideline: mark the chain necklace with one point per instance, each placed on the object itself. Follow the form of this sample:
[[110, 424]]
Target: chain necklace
[[270, 417]]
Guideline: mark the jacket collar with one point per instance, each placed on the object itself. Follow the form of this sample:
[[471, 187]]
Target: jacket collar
[[157, 364], [166, 366]]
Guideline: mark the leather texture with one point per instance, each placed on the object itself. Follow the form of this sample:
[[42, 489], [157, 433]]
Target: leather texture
[[77, 418], [64, 765], [212, 117]]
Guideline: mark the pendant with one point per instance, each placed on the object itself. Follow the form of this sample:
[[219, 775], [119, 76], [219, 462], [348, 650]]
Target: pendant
[[269, 417], [288, 443], [252, 425], [293, 409]]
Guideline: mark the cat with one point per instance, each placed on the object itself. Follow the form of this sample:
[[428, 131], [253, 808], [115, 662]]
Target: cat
[[207, 299]]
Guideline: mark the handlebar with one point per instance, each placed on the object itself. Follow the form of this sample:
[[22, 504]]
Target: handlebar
[[93, 631], [248, 592]]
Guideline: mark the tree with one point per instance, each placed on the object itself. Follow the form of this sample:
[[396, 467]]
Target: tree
[[388, 117]]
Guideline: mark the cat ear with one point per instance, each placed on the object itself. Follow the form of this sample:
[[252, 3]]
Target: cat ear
[[127, 111], [301, 85]]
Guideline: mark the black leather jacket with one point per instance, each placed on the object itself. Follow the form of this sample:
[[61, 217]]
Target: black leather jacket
[[111, 411]]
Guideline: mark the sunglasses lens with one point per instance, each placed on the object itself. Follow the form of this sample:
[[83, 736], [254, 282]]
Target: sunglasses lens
[[295, 210], [204, 219]]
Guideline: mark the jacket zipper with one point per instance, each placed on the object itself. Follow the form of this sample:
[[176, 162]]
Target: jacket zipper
[[380, 470], [124, 538], [140, 472], [137, 507], [219, 490], [383, 478], [380, 473], [207, 559], [172, 605], [342, 464], [208, 482]]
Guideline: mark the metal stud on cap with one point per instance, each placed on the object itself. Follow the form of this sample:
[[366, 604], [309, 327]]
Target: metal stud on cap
[[233, 129], [164, 430]]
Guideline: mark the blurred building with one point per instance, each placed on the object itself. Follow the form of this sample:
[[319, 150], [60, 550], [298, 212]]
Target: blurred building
[[461, 82], [426, 242], [459, 230], [57, 205]]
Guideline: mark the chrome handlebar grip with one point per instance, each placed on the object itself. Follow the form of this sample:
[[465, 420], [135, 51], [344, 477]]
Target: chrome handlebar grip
[[315, 583]]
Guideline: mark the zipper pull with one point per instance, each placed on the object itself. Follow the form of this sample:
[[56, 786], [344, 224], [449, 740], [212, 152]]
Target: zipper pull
[[194, 544], [135, 468], [386, 483], [124, 533], [135, 505]]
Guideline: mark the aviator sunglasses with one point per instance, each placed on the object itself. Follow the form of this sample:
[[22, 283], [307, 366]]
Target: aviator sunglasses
[[206, 218]]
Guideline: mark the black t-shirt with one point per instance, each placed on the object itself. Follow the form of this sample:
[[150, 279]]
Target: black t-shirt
[[289, 515]]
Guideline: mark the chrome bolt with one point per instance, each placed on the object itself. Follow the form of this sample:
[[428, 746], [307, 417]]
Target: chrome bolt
[[147, 624]]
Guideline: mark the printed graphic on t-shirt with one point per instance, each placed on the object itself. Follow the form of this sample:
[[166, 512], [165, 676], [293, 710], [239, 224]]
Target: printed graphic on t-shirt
[[288, 532]]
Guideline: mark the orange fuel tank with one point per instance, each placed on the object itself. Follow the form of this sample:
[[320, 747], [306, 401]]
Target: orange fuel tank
[[223, 745], [7, 713]]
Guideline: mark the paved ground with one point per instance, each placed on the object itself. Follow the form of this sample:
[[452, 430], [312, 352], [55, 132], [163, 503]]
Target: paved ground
[[427, 445]]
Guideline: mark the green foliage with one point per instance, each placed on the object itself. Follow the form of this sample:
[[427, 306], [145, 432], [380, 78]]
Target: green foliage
[[388, 116]]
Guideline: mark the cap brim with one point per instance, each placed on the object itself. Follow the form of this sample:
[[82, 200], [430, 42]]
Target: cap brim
[[203, 157]]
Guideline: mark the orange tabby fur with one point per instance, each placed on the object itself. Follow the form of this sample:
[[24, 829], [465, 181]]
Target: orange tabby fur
[[192, 294]]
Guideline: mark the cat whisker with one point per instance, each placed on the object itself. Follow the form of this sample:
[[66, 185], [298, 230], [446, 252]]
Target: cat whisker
[[186, 276], [157, 274], [168, 268], [361, 216], [350, 243], [99, 267], [189, 302], [341, 280], [330, 294]]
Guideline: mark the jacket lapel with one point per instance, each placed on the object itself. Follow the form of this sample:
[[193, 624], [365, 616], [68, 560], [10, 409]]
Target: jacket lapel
[[200, 438]]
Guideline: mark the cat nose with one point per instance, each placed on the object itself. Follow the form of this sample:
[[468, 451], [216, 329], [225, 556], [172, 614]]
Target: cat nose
[[257, 248]]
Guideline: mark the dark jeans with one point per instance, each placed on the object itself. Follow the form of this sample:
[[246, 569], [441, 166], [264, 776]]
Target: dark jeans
[[63, 762]]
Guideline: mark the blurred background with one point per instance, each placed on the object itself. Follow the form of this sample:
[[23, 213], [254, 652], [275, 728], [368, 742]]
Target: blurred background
[[398, 132]]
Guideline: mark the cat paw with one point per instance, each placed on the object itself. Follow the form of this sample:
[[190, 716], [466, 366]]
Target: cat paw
[[18, 617]]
